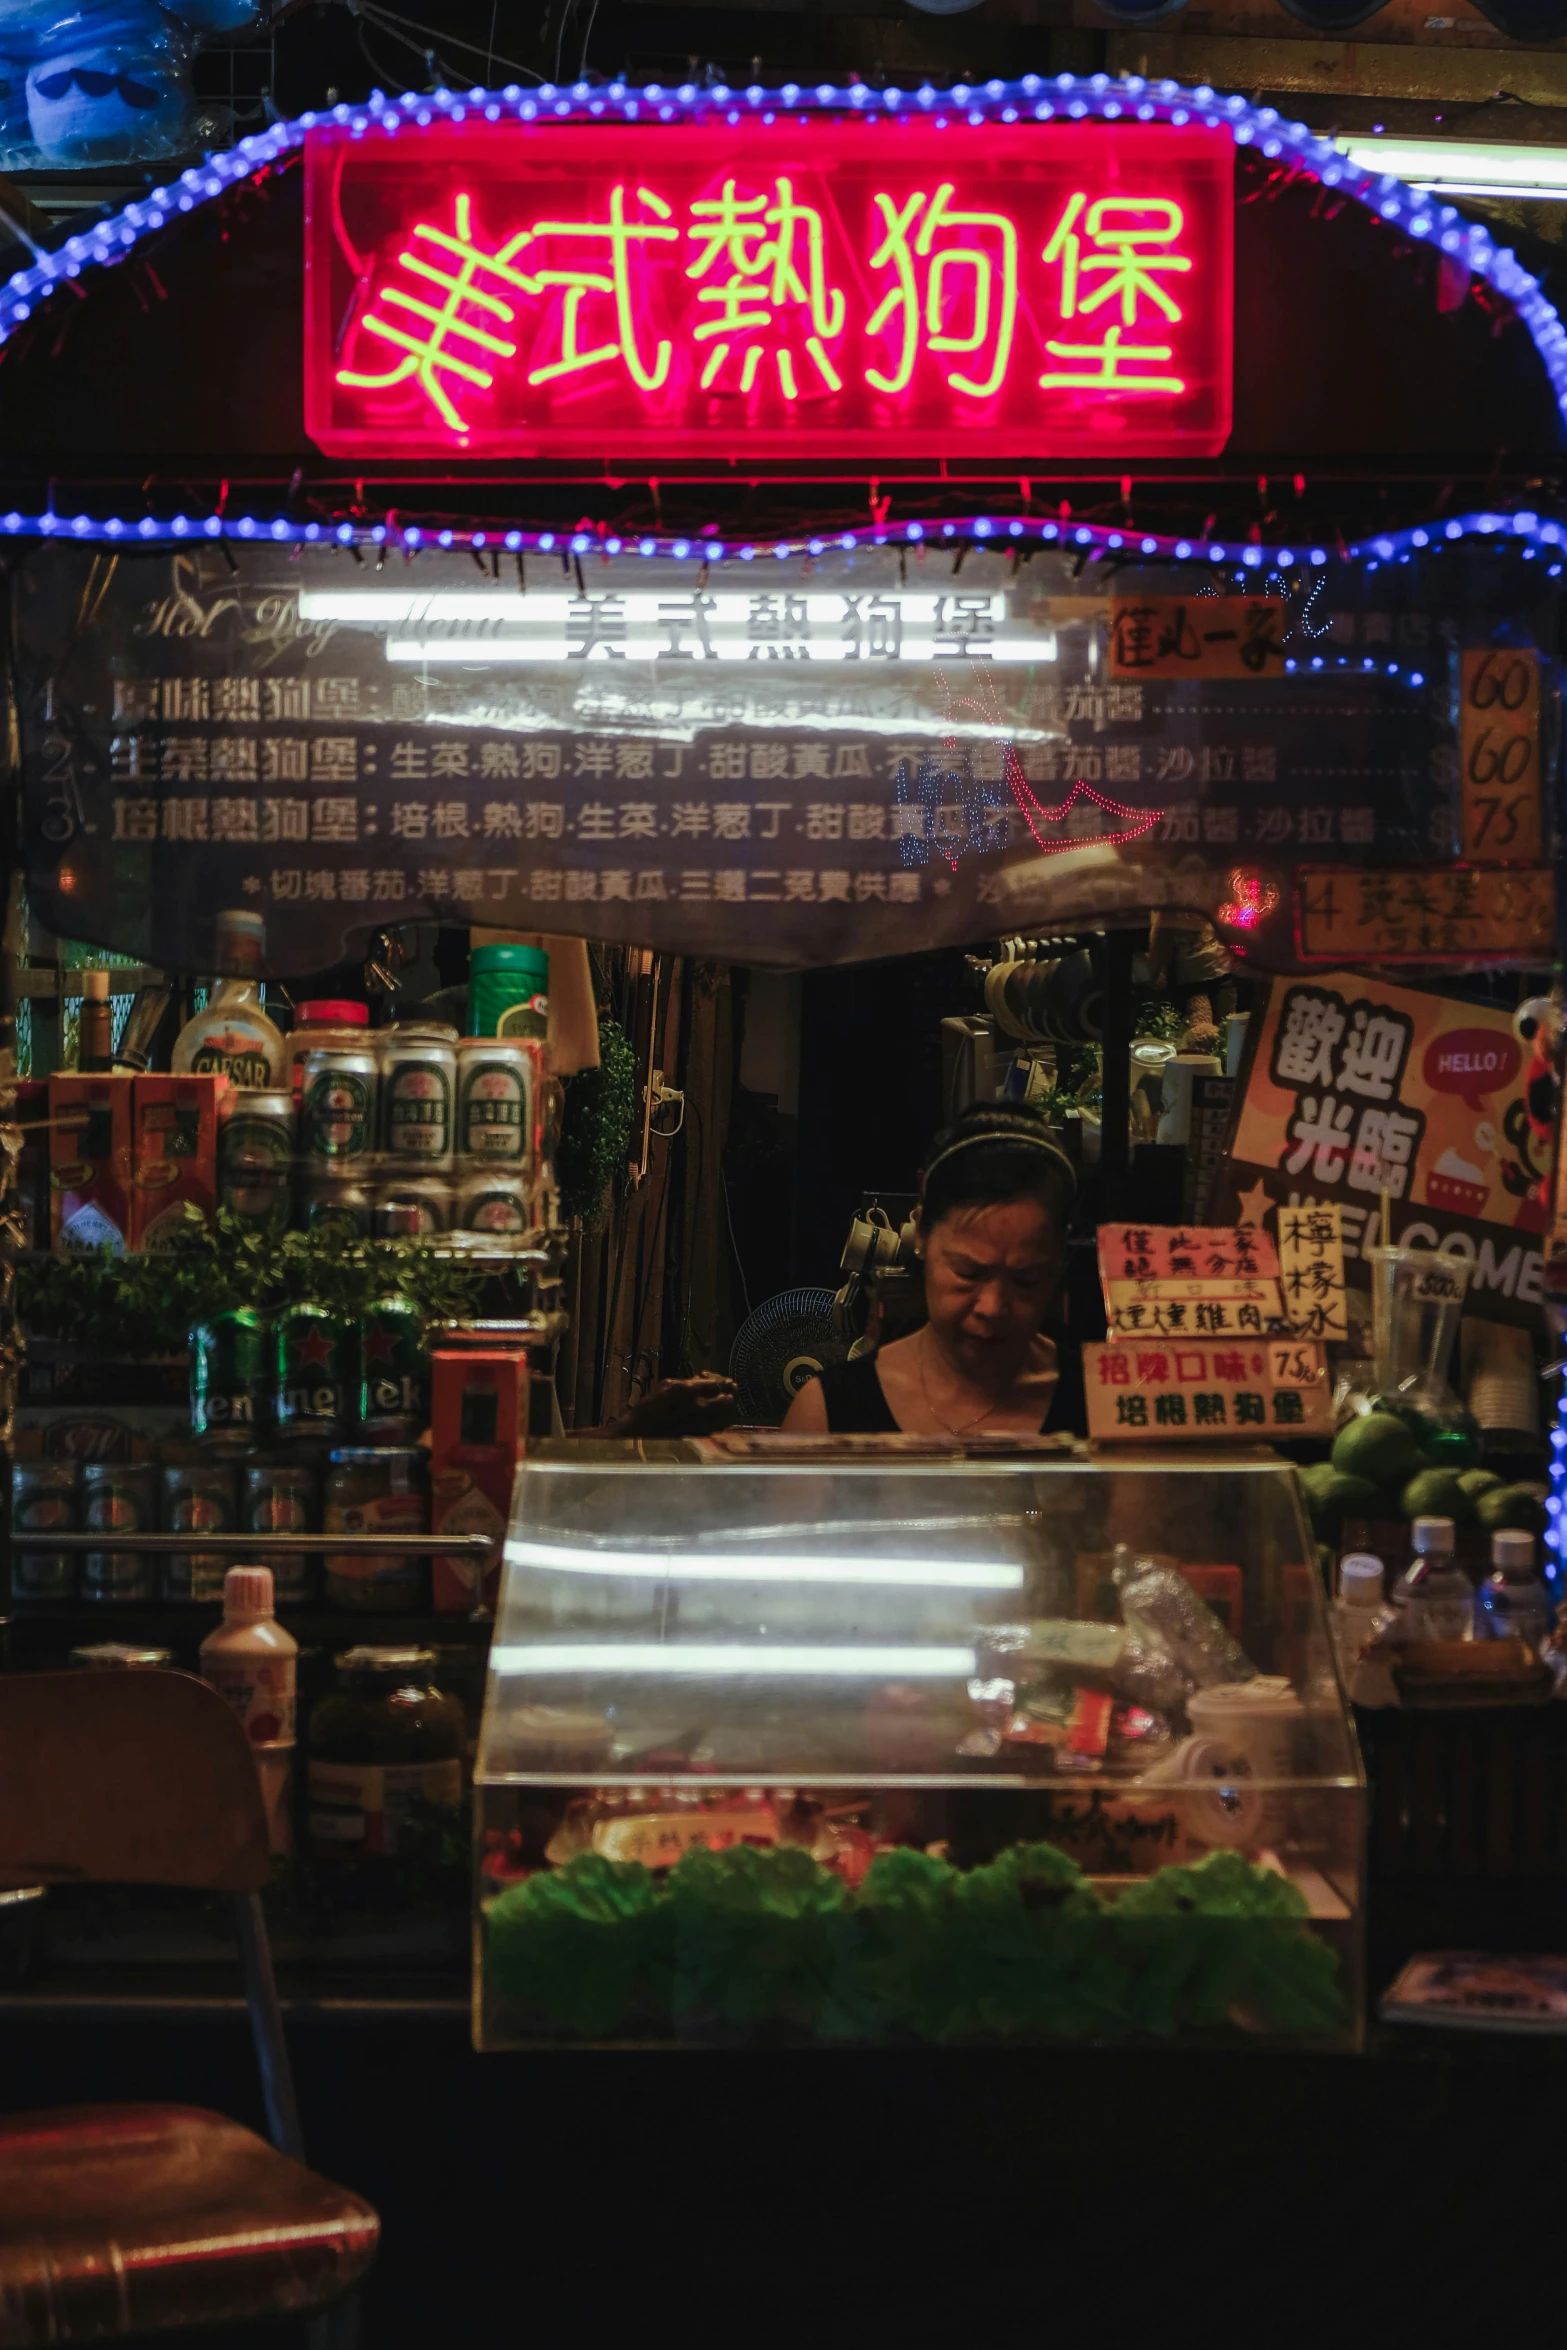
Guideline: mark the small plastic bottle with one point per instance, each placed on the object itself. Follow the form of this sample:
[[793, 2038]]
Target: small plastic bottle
[[1514, 1602], [1436, 1594], [1357, 1619], [253, 1662]]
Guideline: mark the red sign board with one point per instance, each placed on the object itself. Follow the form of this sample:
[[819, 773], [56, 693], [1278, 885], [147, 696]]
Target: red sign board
[[812, 288]]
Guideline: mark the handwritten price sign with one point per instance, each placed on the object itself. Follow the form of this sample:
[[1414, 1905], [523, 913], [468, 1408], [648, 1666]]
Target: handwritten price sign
[[1499, 751]]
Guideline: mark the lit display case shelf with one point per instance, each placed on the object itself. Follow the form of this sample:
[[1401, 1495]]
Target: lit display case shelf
[[910, 1751]]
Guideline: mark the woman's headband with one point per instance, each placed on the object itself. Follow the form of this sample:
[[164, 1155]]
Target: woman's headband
[[1027, 1142]]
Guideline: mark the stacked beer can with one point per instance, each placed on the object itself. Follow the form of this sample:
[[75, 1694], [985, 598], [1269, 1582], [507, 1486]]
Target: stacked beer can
[[300, 1422], [405, 1131]]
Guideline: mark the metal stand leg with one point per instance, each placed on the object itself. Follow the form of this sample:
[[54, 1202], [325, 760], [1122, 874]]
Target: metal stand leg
[[266, 2026]]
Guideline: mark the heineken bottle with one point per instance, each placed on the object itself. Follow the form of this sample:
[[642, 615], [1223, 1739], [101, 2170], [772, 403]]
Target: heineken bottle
[[228, 1377], [392, 1365], [310, 1371]]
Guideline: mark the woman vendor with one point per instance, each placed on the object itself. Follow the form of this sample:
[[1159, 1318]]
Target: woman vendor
[[989, 1361]]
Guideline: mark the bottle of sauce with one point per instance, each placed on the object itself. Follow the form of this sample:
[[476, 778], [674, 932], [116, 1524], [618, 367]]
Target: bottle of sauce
[[231, 1036], [254, 1663], [95, 1037], [386, 1755]]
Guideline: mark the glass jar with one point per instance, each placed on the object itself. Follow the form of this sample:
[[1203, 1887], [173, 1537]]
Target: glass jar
[[385, 1757], [376, 1489]]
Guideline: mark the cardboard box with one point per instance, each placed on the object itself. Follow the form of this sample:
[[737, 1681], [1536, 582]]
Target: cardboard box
[[174, 1158], [478, 1434], [89, 1164]]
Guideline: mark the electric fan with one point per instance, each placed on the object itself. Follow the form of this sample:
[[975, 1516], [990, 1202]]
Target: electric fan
[[781, 1345]]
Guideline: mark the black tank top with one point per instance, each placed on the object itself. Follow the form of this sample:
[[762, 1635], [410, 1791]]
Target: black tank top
[[857, 1406]]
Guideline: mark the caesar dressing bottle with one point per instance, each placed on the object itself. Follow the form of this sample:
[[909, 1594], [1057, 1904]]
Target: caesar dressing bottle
[[232, 1036]]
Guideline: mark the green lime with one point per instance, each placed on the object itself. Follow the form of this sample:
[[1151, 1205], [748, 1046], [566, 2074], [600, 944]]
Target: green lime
[[1478, 1481], [1379, 1446], [1511, 1506], [1334, 1500], [1399, 1407], [1436, 1493]]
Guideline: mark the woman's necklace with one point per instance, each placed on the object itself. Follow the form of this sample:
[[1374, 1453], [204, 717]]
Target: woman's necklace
[[962, 1428]]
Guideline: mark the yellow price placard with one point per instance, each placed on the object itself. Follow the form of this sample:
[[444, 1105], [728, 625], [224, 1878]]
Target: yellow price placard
[[1499, 756]]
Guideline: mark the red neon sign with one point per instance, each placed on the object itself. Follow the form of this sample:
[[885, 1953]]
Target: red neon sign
[[807, 288]]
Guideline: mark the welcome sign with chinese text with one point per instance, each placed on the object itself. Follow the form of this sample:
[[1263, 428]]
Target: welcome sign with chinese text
[[823, 287], [1359, 1087]]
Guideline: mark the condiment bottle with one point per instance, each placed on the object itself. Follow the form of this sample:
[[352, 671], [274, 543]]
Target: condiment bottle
[[95, 1036], [231, 1036], [253, 1662]]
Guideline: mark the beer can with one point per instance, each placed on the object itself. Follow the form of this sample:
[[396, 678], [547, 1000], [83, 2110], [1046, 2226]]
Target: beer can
[[310, 1371], [282, 1498], [345, 1205], [497, 1093], [198, 1500], [429, 1197], [228, 1377], [119, 1497], [418, 1095], [256, 1159], [392, 1386], [45, 1499], [494, 1203], [337, 1111]]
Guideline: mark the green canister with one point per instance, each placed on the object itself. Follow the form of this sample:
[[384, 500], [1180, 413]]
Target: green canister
[[228, 1377], [509, 992], [310, 1371]]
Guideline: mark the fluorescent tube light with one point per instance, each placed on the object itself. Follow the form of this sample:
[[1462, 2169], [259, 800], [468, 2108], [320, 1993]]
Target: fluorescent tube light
[[758, 1659], [720, 1567]]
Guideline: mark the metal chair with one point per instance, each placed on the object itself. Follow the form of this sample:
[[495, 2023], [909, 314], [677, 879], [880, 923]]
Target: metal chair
[[125, 2219]]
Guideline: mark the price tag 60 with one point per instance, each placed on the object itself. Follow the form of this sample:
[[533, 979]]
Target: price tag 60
[[1499, 751]]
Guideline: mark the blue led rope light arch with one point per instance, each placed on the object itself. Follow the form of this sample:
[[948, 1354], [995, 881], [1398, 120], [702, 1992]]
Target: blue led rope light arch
[[1064, 97]]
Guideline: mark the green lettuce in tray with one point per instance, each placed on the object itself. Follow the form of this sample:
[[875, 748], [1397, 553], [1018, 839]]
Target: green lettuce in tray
[[1022, 1947]]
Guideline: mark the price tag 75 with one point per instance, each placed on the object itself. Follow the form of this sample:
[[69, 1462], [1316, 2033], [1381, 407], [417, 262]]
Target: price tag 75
[[1499, 756]]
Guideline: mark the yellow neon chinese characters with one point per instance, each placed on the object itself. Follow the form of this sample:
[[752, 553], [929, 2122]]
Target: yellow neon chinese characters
[[451, 334], [1116, 250], [992, 293], [776, 255]]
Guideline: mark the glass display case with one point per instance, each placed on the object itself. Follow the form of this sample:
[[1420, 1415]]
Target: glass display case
[[910, 1751]]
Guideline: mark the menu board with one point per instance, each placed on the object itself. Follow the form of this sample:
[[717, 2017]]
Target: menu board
[[1173, 1280], [813, 761], [1143, 1393]]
